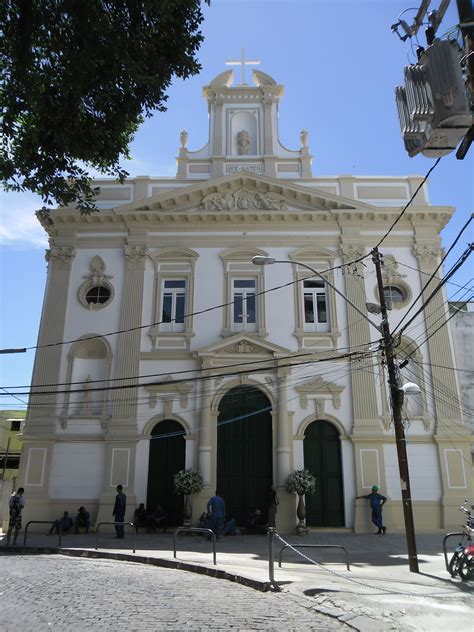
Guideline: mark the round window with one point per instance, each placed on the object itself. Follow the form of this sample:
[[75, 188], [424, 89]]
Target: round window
[[394, 294], [97, 295]]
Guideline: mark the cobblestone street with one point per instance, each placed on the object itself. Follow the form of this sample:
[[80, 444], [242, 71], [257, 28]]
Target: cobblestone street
[[56, 593]]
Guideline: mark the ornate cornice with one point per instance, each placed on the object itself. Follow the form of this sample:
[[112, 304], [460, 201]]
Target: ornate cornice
[[318, 386], [179, 389]]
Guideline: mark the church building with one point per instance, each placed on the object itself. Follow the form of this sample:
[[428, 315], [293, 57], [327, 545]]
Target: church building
[[176, 351]]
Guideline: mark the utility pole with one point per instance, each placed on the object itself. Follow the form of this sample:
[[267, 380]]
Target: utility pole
[[396, 395]]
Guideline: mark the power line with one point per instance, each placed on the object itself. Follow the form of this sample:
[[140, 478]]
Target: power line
[[409, 202], [462, 259], [191, 379], [197, 313], [199, 369], [458, 237]]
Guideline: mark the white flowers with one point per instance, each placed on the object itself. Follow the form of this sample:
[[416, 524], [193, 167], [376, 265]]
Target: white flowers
[[188, 482], [300, 482]]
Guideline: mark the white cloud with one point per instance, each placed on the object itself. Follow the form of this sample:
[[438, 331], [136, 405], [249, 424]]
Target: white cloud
[[18, 224]]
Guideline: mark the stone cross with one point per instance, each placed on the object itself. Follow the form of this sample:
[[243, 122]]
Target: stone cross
[[242, 62]]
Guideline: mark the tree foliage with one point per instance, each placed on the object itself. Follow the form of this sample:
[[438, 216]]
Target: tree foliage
[[77, 78]]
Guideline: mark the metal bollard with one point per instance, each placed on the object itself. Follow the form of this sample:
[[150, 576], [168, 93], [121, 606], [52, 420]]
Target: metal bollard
[[271, 565]]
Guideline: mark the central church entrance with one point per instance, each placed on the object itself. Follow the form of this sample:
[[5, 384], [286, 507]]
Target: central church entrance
[[167, 457], [244, 451]]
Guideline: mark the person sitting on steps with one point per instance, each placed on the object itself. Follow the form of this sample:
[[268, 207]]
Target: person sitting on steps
[[65, 524], [82, 520]]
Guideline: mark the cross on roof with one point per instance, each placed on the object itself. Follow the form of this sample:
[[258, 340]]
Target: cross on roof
[[242, 62]]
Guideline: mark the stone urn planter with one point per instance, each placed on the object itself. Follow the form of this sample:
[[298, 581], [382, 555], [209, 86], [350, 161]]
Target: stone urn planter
[[301, 482], [301, 528], [187, 510]]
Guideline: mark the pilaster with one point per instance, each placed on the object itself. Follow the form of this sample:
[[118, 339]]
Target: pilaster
[[124, 410], [283, 451], [452, 436], [363, 382], [40, 420]]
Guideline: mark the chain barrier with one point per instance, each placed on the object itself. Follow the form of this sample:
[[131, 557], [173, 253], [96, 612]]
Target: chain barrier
[[361, 583]]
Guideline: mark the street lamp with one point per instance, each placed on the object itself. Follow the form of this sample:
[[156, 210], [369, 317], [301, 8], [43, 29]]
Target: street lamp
[[397, 391]]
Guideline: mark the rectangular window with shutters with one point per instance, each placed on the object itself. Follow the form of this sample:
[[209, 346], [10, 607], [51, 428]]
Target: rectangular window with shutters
[[173, 301]]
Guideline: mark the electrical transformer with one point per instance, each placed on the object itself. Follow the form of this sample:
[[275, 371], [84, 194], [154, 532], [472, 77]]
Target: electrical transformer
[[433, 107]]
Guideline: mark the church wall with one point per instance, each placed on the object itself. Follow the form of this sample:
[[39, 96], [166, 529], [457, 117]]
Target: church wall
[[65, 483]]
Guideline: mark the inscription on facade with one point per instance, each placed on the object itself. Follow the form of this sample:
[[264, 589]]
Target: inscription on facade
[[246, 167]]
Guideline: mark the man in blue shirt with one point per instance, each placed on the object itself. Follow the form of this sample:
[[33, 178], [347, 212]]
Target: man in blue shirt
[[377, 501], [216, 507]]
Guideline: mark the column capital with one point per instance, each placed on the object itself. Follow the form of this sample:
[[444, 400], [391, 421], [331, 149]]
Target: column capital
[[352, 251], [136, 256], [61, 256], [427, 254]]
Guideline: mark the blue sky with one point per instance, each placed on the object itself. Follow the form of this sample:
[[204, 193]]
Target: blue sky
[[339, 63]]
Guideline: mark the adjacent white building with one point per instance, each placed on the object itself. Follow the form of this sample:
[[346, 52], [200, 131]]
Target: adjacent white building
[[179, 352]]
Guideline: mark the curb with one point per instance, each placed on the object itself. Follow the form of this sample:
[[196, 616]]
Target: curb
[[142, 559]]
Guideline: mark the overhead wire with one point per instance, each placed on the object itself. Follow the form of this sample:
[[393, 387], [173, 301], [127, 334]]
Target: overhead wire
[[461, 260], [440, 264]]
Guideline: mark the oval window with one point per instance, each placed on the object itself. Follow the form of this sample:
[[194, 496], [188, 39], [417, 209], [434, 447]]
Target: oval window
[[97, 295]]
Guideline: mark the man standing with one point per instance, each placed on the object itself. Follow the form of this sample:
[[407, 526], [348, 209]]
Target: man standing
[[16, 504], [216, 507], [377, 501], [119, 511]]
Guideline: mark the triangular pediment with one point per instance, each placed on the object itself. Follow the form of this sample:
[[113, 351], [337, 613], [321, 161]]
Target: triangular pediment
[[242, 345], [243, 193]]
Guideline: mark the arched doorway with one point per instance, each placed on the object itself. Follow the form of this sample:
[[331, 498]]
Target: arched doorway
[[244, 451], [167, 457], [322, 457]]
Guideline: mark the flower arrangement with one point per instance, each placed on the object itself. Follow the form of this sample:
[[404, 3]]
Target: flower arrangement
[[300, 482], [188, 482]]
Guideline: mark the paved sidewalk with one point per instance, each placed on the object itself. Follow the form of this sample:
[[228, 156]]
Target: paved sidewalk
[[378, 593]]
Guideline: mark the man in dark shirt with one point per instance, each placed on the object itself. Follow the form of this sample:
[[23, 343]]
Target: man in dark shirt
[[119, 511], [64, 524], [216, 508], [377, 501]]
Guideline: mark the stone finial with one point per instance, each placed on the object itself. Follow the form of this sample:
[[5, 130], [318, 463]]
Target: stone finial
[[304, 138], [183, 138]]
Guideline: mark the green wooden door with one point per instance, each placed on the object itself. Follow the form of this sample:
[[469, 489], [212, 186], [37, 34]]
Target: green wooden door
[[244, 451], [322, 457], [167, 457]]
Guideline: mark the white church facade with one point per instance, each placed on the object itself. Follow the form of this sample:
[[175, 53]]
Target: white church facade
[[178, 352]]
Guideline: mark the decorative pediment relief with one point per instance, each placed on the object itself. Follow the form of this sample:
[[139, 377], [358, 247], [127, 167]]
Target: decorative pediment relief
[[166, 388], [243, 199], [242, 344], [318, 386]]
